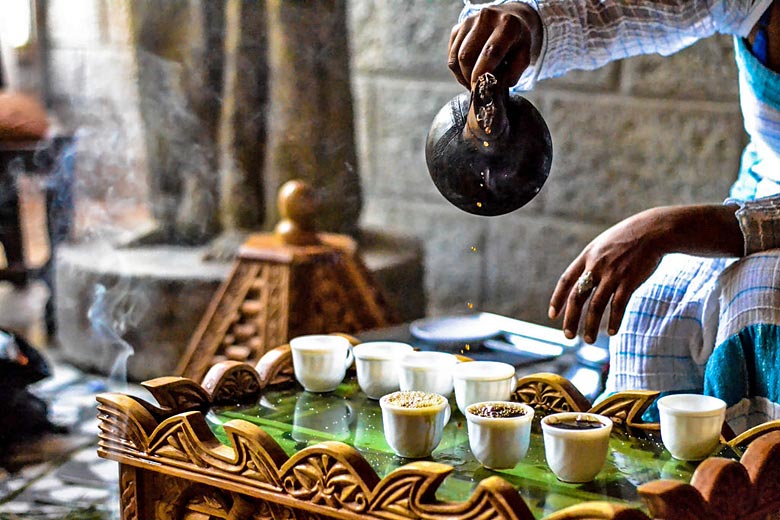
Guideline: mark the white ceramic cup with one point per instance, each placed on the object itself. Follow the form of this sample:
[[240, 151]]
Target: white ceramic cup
[[414, 432], [691, 424], [575, 455], [377, 366], [320, 362], [478, 381], [499, 442], [427, 371]]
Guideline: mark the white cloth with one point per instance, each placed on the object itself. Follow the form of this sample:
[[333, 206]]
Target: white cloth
[[587, 34]]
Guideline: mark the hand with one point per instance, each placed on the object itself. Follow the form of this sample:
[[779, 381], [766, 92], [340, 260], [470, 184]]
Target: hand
[[620, 260], [503, 40]]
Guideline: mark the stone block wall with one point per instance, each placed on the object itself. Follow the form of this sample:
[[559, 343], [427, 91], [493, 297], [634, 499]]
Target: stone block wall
[[644, 132]]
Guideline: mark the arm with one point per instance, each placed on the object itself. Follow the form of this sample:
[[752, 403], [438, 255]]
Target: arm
[[625, 255], [587, 34]]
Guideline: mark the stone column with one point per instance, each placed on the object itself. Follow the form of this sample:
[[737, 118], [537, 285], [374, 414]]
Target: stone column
[[242, 121], [178, 51], [310, 123]]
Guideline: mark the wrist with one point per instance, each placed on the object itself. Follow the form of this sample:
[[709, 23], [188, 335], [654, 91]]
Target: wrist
[[703, 230]]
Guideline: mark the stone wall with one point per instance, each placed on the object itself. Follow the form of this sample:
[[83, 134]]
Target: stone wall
[[645, 132]]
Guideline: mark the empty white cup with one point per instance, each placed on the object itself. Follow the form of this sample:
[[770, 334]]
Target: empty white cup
[[499, 442], [427, 371], [691, 424], [478, 381], [575, 455], [320, 361], [414, 431], [377, 366]]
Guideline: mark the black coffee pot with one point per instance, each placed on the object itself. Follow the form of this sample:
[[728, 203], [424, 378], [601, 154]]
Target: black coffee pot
[[489, 152]]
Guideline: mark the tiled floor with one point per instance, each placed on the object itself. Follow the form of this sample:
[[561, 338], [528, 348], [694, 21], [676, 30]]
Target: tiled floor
[[56, 476]]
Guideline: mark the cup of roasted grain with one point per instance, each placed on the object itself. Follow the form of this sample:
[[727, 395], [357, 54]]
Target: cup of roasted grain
[[414, 421]]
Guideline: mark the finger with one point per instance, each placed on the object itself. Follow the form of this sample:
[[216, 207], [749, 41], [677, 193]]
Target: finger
[[565, 284], [472, 45], [453, 33], [519, 60], [456, 39], [598, 302], [571, 318], [493, 54], [619, 305]]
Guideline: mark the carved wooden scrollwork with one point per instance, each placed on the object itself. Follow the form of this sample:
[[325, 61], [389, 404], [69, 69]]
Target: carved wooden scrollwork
[[232, 382], [199, 501], [332, 474], [178, 394], [626, 409], [275, 367], [550, 393], [128, 499], [328, 477], [723, 489], [124, 423], [744, 439]]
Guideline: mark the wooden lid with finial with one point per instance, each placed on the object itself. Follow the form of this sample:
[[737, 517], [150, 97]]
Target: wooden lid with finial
[[295, 237], [298, 205]]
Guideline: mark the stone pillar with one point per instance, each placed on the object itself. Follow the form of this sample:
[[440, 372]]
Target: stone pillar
[[242, 120], [178, 53], [310, 123]]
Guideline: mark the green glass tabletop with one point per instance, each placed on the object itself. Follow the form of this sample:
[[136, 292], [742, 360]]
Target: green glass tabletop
[[297, 419]]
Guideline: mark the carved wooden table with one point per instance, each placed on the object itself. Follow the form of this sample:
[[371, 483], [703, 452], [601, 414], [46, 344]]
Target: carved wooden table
[[286, 453]]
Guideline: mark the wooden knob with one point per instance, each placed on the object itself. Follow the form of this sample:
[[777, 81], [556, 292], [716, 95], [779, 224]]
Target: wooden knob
[[298, 205]]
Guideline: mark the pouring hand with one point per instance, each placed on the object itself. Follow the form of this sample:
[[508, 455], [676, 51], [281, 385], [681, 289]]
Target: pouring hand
[[503, 40]]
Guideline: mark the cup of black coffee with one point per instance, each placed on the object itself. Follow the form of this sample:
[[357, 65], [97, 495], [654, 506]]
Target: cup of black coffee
[[576, 444], [499, 432]]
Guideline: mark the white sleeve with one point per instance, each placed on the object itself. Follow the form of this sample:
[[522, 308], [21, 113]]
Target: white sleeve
[[587, 34]]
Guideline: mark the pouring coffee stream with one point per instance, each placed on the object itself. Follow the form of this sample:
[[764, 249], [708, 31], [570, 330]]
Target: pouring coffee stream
[[489, 153]]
